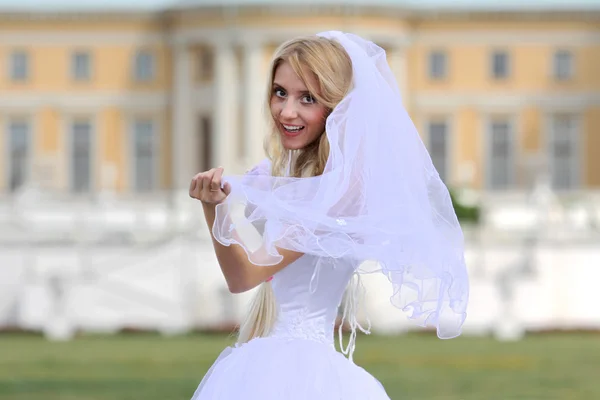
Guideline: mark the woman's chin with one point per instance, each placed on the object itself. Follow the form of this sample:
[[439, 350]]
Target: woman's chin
[[292, 147], [292, 143]]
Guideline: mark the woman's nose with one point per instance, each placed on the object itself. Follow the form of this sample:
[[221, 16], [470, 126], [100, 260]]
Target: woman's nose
[[289, 110]]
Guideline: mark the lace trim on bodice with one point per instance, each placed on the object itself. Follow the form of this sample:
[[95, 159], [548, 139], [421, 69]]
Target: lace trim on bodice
[[298, 326]]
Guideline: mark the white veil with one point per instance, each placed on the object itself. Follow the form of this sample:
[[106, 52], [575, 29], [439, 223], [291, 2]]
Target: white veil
[[379, 198]]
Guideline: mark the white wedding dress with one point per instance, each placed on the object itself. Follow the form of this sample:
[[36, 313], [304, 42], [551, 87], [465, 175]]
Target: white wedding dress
[[298, 360]]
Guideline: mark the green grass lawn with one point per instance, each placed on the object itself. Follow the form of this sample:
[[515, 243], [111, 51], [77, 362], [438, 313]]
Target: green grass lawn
[[149, 367]]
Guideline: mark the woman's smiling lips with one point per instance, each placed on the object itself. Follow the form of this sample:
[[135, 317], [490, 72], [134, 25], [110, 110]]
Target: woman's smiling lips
[[292, 130]]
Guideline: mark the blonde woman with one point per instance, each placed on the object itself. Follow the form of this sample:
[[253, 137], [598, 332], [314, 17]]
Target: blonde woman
[[346, 180]]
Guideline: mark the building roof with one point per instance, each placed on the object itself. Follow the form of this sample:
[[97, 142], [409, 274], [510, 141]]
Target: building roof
[[156, 5]]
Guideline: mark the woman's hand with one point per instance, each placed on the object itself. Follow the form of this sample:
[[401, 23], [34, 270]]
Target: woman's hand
[[206, 187], [241, 274]]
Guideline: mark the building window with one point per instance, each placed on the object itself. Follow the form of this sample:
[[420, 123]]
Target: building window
[[438, 143], [564, 154], [500, 64], [19, 153], [19, 66], [438, 65], [205, 135], [81, 66], [500, 174], [205, 64], [144, 66], [563, 65], [144, 155], [81, 156]]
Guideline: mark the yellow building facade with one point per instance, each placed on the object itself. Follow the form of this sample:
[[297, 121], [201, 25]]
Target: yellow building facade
[[137, 102]]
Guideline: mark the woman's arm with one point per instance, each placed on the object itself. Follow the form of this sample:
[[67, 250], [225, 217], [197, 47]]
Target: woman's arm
[[241, 275]]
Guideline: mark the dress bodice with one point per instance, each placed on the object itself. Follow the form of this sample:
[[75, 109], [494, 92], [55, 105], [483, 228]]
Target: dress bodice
[[298, 359], [308, 293]]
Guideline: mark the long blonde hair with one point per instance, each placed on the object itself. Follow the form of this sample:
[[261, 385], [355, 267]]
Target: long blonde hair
[[329, 63]]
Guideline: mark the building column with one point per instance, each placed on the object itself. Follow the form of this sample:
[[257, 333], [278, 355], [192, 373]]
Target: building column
[[182, 120], [226, 113], [255, 126], [398, 64]]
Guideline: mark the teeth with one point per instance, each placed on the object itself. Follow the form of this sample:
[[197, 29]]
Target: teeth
[[292, 128]]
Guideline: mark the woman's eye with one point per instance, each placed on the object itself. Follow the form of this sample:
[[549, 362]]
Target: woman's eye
[[308, 99], [279, 93]]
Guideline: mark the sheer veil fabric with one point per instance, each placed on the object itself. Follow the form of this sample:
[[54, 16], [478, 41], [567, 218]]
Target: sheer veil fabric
[[379, 199]]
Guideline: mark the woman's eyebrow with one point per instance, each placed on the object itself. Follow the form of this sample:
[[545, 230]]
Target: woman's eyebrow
[[275, 84]]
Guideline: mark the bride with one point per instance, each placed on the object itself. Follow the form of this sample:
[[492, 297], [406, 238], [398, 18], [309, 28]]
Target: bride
[[346, 180]]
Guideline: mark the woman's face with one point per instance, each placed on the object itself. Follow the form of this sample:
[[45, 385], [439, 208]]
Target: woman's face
[[300, 120]]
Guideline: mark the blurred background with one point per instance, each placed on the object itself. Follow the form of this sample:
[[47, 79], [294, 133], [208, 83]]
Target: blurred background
[[109, 288]]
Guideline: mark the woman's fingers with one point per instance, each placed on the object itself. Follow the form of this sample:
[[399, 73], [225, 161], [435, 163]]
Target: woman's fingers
[[206, 186], [226, 188], [206, 179], [215, 184], [192, 186], [195, 185]]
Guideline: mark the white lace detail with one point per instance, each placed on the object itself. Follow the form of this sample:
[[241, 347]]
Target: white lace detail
[[296, 325]]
